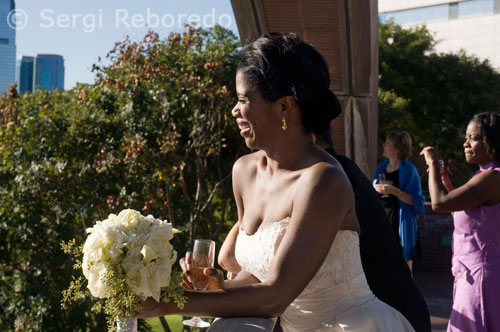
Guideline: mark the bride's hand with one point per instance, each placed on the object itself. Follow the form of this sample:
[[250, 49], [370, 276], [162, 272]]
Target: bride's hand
[[215, 276]]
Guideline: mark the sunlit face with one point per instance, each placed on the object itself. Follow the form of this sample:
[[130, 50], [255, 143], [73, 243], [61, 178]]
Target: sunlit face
[[474, 148], [389, 150], [257, 119]]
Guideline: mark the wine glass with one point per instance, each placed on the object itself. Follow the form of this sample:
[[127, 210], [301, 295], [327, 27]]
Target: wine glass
[[383, 180], [203, 256]]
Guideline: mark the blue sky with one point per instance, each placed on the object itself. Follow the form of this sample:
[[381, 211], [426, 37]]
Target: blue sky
[[83, 30]]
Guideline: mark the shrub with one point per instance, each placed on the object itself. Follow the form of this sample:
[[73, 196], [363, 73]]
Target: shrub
[[154, 133]]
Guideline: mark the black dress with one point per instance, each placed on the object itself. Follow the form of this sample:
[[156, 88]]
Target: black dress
[[391, 202]]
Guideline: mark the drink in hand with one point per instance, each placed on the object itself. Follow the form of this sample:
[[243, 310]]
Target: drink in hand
[[203, 257], [200, 281]]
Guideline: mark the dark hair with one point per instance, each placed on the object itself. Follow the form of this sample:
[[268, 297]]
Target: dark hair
[[402, 143], [489, 126], [280, 64], [324, 140]]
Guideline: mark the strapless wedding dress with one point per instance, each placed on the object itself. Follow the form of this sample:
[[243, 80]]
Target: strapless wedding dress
[[337, 299]]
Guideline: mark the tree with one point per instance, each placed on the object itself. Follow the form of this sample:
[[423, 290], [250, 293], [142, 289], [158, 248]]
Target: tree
[[432, 96], [154, 133]]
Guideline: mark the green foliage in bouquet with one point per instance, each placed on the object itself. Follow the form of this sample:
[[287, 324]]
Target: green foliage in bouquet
[[129, 301], [124, 305], [154, 133]]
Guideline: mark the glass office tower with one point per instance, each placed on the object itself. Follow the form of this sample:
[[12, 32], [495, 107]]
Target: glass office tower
[[7, 46], [24, 74], [48, 72]]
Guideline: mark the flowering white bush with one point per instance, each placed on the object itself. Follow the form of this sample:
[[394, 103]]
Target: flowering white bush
[[139, 244], [127, 258]]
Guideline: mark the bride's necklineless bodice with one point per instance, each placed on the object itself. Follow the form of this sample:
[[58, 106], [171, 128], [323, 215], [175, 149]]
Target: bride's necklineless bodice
[[255, 253], [336, 299]]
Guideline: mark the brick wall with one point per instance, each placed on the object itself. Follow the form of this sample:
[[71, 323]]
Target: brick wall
[[435, 230]]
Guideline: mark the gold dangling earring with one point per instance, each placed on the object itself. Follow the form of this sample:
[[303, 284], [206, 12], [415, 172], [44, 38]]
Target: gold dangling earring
[[283, 125]]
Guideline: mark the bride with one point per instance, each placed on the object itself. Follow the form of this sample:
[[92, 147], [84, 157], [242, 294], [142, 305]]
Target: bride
[[298, 242]]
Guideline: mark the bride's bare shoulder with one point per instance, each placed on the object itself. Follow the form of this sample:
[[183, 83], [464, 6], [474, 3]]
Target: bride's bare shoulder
[[326, 173], [247, 164]]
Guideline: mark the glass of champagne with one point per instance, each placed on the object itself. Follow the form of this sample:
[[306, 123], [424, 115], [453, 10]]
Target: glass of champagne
[[383, 180], [203, 256]]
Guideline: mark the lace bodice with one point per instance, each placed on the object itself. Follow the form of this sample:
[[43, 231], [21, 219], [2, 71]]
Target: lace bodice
[[255, 254], [333, 290], [256, 251]]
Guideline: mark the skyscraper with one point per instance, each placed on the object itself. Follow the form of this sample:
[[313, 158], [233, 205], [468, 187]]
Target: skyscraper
[[7, 46], [24, 73], [48, 72]]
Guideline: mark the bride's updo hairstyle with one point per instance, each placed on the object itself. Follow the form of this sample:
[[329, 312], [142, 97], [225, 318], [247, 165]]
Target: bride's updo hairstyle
[[280, 64]]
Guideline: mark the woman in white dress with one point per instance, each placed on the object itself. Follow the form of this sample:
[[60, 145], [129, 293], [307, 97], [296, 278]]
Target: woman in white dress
[[298, 243]]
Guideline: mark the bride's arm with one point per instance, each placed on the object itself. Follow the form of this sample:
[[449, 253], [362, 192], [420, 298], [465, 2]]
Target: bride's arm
[[319, 208], [227, 258], [243, 278]]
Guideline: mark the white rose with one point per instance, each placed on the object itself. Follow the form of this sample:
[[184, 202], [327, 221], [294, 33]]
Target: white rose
[[94, 276], [137, 280], [129, 218]]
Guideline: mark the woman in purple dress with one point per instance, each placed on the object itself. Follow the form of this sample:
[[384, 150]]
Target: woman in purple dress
[[476, 238]]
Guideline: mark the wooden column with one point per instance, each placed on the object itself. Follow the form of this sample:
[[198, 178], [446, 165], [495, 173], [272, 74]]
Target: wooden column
[[345, 33]]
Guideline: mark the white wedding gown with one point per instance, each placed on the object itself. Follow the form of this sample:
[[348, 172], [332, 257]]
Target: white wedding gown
[[336, 299]]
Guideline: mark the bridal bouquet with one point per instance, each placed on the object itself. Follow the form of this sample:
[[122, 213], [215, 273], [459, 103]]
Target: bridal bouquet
[[126, 258]]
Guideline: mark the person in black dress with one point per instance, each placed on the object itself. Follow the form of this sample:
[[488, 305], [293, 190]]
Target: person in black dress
[[400, 190]]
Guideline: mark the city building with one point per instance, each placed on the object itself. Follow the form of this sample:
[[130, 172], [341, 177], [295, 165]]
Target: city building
[[48, 72], [471, 25], [24, 74], [7, 46]]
